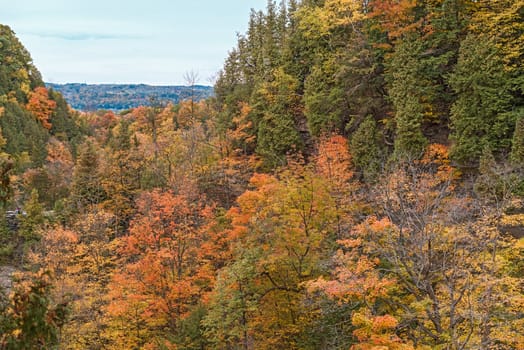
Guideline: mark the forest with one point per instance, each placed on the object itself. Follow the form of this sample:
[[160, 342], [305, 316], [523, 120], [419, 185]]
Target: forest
[[356, 182], [119, 97]]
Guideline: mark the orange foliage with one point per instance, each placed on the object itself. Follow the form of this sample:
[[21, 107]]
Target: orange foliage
[[376, 332], [250, 202], [41, 106], [55, 244], [334, 160], [240, 135], [103, 121], [438, 155], [333, 164], [396, 17], [56, 254], [57, 151], [189, 112], [163, 276], [357, 280], [355, 273]]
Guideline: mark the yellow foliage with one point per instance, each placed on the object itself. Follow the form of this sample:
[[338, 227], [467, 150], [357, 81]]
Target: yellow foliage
[[317, 22], [503, 20], [513, 220]]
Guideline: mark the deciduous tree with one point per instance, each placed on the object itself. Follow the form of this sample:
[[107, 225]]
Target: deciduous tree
[[41, 106]]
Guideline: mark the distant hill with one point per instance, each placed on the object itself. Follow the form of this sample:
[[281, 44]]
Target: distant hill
[[117, 97]]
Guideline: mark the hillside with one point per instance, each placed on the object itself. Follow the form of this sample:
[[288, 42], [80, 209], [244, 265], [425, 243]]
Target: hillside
[[30, 115], [356, 182], [117, 97]]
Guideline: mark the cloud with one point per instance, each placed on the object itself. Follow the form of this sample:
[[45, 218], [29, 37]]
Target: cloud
[[82, 36], [152, 41]]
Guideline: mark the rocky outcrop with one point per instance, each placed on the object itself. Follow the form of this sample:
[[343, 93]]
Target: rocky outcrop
[[6, 279]]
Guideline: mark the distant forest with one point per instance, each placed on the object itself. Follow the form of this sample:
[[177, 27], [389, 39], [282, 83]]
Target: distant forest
[[118, 97]]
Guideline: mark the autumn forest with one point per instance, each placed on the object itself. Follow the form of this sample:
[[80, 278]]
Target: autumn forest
[[355, 182]]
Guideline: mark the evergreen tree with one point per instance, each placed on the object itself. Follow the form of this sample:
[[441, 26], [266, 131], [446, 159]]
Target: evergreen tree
[[122, 176], [367, 149], [31, 321], [517, 147], [480, 117], [23, 133], [406, 88], [87, 187], [326, 107], [33, 219], [277, 107], [63, 126], [6, 168], [495, 184]]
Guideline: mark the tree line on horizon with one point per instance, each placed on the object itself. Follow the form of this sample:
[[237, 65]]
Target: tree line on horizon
[[121, 97]]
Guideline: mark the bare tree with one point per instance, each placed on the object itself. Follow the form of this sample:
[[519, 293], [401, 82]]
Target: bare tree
[[439, 252], [191, 79]]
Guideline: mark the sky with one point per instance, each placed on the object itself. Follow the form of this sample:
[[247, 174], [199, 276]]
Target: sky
[[153, 42]]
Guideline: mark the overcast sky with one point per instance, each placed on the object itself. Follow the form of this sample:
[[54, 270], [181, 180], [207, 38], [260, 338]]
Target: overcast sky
[[128, 41]]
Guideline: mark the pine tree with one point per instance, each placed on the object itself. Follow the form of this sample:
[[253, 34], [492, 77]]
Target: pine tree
[[367, 150], [87, 187], [406, 88], [517, 148], [33, 218], [277, 105], [31, 321], [479, 116], [326, 106]]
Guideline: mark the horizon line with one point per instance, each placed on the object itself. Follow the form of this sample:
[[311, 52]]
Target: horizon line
[[127, 83]]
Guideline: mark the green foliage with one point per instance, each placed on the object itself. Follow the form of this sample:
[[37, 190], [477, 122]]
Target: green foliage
[[330, 328], [503, 21], [122, 140], [496, 182], [304, 258], [123, 176], [7, 244], [31, 321], [277, 107], [33, 219], [191, 330], [367, 149], [324, 99], [227, 322], [6, 167], [517, 146], [23, 133], [86, 188], [63, 126], [480, 117], [18, 75], [346, 80], [22, 129], [406, 89]]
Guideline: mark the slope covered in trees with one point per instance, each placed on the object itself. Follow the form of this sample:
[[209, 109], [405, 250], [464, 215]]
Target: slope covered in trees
[[36, 131], [355, 183]]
